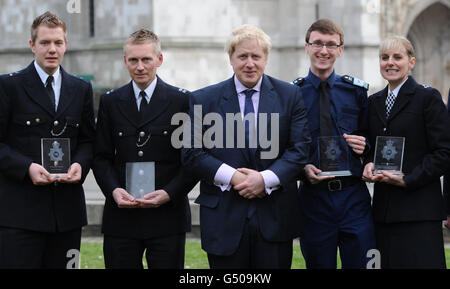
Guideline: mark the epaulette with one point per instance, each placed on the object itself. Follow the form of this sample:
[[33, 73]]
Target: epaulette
[[355, 81], [182, 90], [425, 86], [299, 81], [110, 91], [13, 73]]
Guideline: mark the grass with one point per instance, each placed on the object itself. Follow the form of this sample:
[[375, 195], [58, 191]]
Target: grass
[[92, 256]]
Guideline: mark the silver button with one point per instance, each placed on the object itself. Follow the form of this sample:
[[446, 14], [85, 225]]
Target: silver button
[[141, 153], [28, 122], [77, 125], [165, 132], [142, 134], [120, 133], [56, 123]]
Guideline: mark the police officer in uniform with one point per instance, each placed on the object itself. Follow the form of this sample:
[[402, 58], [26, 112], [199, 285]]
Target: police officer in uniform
[[336, 210], [134, 125], [41, 215]]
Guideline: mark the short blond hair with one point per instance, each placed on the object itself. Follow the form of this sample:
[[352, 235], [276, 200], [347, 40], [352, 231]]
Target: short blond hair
[[246, 32], [396, 41], [142, 36], [47, 19]]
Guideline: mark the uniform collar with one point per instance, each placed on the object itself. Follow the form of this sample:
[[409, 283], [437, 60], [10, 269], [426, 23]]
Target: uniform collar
[[316, 81], [149, 90], [43, 75]]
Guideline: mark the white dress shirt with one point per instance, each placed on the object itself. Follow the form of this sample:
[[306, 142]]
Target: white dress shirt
[[56, 84], [225, 172]]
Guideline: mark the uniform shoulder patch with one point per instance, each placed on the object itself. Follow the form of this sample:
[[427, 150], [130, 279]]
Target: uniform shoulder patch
[[110, 91], [182, 90], [425, 86], [299, 81], [355, 81]]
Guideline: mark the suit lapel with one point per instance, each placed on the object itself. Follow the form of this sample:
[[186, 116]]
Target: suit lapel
[[380, 105], [229, 103], [127, 105], [67, 94], [403, 97], [158, 103], [36, 91]]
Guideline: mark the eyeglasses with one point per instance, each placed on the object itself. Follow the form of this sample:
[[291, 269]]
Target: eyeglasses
[[328, 46]]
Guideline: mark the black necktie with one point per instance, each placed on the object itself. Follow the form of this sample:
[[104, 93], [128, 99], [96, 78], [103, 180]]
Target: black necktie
[[326, 126], [248, 108], [144, 104], [51, 93]]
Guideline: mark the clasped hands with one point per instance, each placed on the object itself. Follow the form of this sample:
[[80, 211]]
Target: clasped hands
[[41, 177], [249, 183]]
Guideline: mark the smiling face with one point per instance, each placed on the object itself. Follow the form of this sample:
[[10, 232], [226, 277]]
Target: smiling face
[[49, 48], [322, 60], [249, 62], [142, 60], [395, 64]]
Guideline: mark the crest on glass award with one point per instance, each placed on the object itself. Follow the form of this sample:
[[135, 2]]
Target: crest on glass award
[[333, 156], [55, 155], [140, 178], [389, 153]]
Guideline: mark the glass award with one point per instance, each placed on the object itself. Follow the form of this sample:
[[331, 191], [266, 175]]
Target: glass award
[[333, 156], [140, 178], [389, 153], [56, 155]]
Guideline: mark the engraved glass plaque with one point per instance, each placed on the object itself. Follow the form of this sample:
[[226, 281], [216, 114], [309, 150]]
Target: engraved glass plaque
[[55, 155], [333, 156], [140, 178], [389, 153]]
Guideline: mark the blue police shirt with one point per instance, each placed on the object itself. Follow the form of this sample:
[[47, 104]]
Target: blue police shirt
[[348, 108]]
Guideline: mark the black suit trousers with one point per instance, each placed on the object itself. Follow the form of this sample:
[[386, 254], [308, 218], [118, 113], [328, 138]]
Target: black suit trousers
[[23, 249], [161, 252], [254, 252]]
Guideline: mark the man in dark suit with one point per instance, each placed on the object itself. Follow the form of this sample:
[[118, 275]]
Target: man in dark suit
[[134, 126], [248, 197], [41, 214]]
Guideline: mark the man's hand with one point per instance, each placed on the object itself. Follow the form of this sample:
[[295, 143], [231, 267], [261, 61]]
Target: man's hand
[[154, 199], [124, 199], [356, 142], [39, 175], [253, 186], [312, 174], [73, 175]]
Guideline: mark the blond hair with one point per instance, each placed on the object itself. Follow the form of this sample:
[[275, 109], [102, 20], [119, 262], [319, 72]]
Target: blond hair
[[396, 41], [143, 36], [246, 32], [48, 19]]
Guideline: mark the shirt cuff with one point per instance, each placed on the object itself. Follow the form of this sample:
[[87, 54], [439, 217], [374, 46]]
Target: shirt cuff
[[271, 181], [223, 177]]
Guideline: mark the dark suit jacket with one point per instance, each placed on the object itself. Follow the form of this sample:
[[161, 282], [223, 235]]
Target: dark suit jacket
[[420, 116], [118, 128], [223, 214], [26, 116], [446, 190]]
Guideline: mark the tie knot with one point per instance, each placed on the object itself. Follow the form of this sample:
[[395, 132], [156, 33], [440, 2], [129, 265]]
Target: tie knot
[[49, 80], [249, 93], [323, 84]]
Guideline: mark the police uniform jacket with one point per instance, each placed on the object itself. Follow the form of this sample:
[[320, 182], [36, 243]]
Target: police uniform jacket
[[123, 137], [348, 109], [27, 116], [420, 116]]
